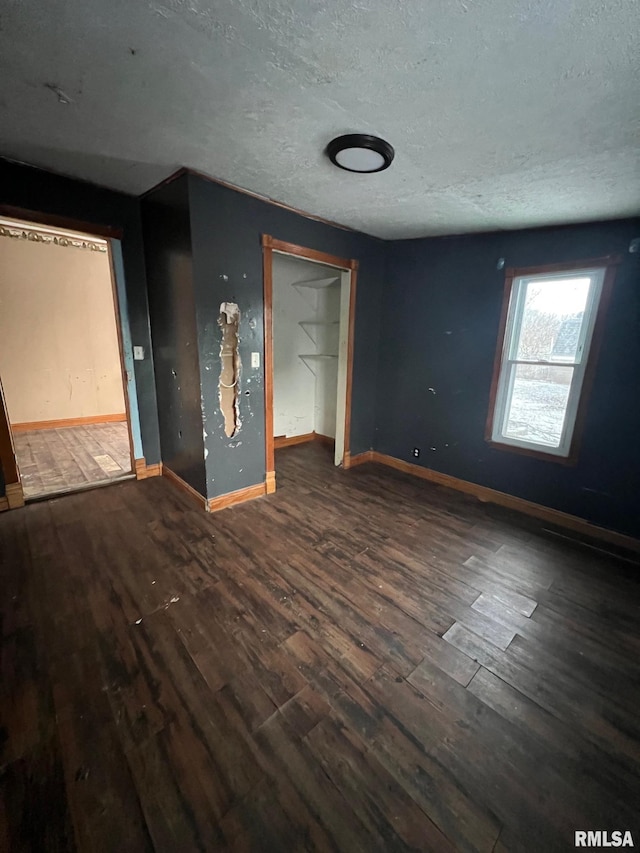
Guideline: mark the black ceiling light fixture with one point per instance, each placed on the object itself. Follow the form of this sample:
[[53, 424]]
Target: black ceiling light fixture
[[359, 152]]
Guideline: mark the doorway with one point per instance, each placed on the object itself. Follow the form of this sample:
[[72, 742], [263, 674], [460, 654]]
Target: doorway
[[64, 386], [309, 323]]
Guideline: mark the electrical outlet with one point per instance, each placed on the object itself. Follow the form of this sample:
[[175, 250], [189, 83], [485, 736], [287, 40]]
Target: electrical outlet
[[255, 359], [416, 452], [138, 353]]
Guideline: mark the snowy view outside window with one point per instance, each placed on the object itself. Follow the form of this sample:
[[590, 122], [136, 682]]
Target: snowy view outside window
[[549, 331], [550, 320]]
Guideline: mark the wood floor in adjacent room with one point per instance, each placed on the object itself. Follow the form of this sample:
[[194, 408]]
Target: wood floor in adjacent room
[[360, 662], [56, 460]]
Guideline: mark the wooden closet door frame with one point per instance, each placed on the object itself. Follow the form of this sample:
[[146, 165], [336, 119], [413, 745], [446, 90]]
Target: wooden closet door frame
[[8, 462], [269, 246]]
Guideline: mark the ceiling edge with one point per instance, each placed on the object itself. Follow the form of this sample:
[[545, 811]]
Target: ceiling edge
[[185, 170]]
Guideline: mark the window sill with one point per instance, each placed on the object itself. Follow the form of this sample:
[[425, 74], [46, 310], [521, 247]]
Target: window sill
[[569, 460]]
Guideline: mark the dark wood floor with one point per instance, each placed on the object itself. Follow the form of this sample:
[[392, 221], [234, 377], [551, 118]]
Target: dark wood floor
[[55, 460], [360, 662]]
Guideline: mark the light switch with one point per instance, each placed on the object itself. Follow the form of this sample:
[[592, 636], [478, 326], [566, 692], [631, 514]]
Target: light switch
[[138, 353], [255, 359]]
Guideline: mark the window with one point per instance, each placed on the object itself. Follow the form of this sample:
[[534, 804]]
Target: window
[[545, 351]]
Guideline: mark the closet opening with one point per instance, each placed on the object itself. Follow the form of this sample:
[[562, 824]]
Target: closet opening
[[309, 319]]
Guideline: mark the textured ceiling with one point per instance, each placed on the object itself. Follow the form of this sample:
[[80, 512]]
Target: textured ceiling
[[503, 113]]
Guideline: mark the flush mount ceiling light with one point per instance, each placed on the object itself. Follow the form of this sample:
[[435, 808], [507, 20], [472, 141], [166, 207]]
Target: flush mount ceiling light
[[359, 152]]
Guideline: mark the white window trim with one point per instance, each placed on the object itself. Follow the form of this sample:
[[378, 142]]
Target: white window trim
[[508, 362]]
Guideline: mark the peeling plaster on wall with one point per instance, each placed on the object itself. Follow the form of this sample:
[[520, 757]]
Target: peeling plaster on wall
[[226, 228], [230, 368]]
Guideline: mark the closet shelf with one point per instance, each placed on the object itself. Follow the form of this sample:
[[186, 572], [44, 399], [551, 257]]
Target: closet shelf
[[316, 356], [316, 283]]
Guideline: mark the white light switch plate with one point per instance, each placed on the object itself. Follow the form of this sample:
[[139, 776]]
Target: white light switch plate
[[255, 359], [138, 353]]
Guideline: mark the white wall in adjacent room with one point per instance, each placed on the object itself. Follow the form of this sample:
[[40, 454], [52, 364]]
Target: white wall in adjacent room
[[59, 355]]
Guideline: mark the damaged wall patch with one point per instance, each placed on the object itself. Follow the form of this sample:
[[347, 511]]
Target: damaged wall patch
[[230, 367]]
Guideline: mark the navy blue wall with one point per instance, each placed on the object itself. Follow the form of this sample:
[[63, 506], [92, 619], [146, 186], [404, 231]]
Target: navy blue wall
[[167, 237], [427, 317], [35, 190], [226, 229], [439, 330]]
